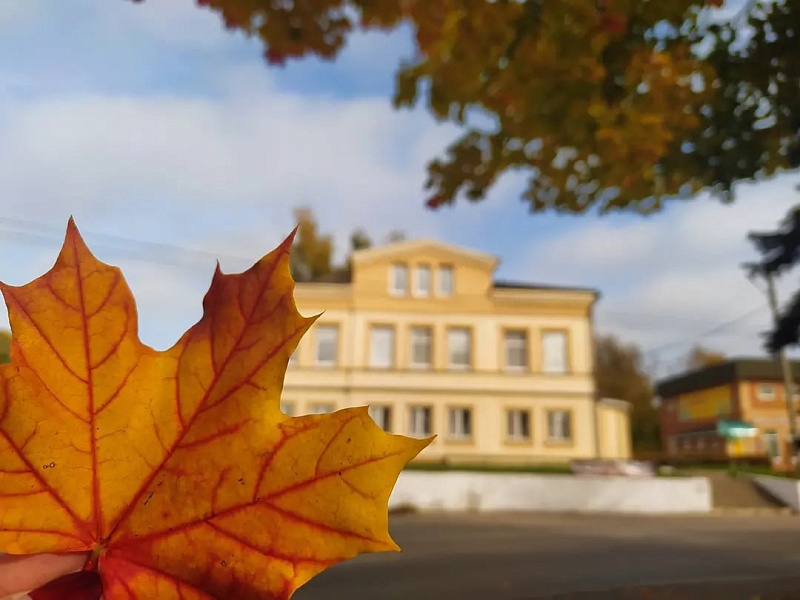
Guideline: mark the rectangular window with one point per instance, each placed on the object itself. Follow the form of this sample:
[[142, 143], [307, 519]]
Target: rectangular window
[[287, 408], [327, 343], [766, 392], [559, 425], [398, 280], [422, 283], [446, 281], [554, 351], [459, 348], [421, 347], [382, 415], [381, 350], [518, 425], [459, 423], [516, 350], [420, 421], [321, 408]]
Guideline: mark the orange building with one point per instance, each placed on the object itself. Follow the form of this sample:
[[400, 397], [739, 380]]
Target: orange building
[[747, 394]]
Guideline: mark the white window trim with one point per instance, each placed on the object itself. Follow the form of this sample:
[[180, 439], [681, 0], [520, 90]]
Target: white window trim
[[440, 291], [769, 397], [520, 436], [390, 364], [470, 341], [418, 291], [327, 363], [393, 290], [453, 433], [412, 362], [558, 438], [412, 421], [564, 367], [313, 408], [524, 366]]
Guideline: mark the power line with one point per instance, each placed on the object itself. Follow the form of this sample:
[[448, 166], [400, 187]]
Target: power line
[[708, 332], [158, 252], [650, 316]]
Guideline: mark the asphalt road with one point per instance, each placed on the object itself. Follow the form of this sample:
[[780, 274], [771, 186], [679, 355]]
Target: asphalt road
[[521, 557]]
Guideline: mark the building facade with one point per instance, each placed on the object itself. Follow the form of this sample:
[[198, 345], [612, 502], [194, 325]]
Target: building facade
[[423, 334], [748, 392]]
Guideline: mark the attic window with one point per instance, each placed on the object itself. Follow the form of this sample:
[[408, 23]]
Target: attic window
[[398, 280], [422, 284], [446, 283]]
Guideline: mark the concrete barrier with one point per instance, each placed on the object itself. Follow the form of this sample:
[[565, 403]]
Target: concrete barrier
[[461, 491], [782, 488]]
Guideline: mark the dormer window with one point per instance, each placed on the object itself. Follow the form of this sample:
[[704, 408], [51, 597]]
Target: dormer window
[[446, 283], [422, 281], [398, 280]]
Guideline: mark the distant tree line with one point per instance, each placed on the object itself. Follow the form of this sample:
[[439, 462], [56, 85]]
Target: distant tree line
[[620, 374], [312, 253]]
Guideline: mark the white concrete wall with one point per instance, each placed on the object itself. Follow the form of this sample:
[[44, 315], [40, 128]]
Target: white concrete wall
[[458, 491], [785, 490]]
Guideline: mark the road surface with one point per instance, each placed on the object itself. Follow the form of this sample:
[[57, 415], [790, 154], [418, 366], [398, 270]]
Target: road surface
[[522, 557]]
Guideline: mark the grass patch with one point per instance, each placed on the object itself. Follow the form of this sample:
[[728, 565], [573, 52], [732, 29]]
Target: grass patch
[[743, 470]]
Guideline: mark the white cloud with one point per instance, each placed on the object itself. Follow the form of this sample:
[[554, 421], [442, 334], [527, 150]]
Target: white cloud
[[670, 279], [261, 152], [17, 12], [216, 162]]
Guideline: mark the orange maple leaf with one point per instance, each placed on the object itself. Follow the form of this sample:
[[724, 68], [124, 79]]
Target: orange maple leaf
[[177, 470]]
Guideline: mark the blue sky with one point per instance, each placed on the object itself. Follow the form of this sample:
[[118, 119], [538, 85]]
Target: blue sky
[[172, 143]]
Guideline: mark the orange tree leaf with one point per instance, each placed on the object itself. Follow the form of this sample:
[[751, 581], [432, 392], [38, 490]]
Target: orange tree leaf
[[176, 469]]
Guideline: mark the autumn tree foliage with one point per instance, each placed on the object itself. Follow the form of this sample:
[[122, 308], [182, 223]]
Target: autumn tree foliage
[[620, 374], [701, 357], [605, 104], [312, 251]]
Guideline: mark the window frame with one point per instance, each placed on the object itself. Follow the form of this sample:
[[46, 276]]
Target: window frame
[[440, 289], [326, 327], [451, 366], [468, 424], [418, 271], [768, 397], [412, 339], [374, 327], [564, 334], [394, 269], [412, 421], [552, 439], [525, 366], [523, 437]]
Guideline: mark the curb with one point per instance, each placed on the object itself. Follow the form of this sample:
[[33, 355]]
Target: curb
[[731, 511]]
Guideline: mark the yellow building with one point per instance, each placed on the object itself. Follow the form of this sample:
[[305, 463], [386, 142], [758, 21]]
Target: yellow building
[[424, 335]]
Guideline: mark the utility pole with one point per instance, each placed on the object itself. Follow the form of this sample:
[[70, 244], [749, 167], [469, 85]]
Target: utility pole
[[788, 380]]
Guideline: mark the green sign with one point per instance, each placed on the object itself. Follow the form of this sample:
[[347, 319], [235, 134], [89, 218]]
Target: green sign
[[736, 429]]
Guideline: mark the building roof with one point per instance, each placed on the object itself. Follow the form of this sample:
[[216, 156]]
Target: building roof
[[346, 278], [377, 252], [502, 284], [730, 371]]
